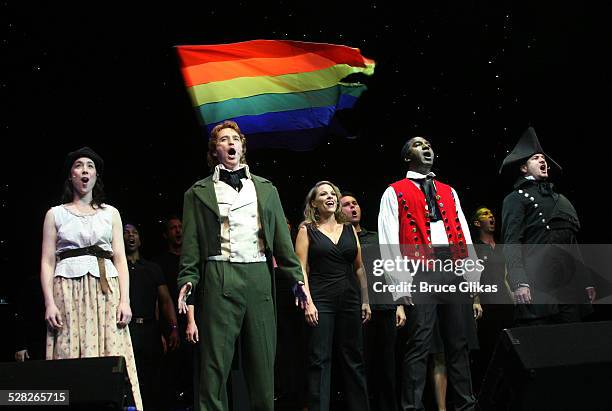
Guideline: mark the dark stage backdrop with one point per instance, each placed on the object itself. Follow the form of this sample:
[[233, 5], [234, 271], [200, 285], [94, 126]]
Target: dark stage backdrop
[[471, 76]]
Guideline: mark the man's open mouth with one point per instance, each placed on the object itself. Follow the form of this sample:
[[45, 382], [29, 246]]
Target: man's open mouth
[[354, 212], [85, 179], [543, 167], [427, 154], [231, 151]]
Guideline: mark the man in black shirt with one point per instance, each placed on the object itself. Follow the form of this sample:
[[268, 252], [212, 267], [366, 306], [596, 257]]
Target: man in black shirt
[[169, 259], [497, 307], [494, 274], [177, 365], [147, 289], [381, 331]]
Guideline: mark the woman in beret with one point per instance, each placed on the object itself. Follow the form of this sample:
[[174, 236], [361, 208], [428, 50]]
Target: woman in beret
[[84, 274]]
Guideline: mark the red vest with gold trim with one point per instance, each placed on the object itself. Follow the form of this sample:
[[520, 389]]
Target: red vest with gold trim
[[414, 222]]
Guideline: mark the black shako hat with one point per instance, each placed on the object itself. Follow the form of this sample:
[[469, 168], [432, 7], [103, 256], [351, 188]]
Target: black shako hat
[[527, 146], [84, 152]]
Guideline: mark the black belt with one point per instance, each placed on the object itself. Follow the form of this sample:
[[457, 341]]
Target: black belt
[[96, 251]]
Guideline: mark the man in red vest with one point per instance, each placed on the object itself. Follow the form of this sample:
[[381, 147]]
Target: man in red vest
[[421, 218]]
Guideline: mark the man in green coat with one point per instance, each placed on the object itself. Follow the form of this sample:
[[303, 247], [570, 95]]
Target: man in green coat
[[233, 225]]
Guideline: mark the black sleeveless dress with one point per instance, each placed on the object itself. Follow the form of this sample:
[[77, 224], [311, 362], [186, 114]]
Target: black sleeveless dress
[[336, 294]]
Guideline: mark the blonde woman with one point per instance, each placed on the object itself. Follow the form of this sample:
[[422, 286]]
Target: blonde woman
[[329, 251]]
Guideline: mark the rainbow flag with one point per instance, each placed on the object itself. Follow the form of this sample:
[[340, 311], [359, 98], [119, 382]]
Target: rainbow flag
[[282, 94]]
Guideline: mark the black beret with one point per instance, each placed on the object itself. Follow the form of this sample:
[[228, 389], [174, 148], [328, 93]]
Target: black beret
[[85, 152]]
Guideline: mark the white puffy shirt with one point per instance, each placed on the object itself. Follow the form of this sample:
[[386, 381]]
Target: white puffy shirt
[[388, 220], [78, 231]]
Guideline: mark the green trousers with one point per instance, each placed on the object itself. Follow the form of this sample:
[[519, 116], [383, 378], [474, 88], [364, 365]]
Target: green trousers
[[236, 300]]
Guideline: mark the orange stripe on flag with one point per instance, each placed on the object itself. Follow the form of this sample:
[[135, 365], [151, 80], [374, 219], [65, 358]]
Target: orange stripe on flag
[[227, 70]]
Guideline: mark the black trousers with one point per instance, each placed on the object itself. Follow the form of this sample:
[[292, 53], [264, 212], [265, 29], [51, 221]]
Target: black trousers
[[380, 337], [339, 325], [421, 320], [177, 372], [146, 340]]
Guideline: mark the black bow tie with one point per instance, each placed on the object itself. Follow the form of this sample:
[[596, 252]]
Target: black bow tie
[[232, 178]]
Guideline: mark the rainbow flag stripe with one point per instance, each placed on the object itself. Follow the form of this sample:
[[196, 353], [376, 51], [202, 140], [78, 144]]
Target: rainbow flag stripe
[[271, 86]]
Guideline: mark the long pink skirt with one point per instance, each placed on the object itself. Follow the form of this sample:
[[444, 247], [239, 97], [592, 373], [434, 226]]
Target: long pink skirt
[[90, 325]]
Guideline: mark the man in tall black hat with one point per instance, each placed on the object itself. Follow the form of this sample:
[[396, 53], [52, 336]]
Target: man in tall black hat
[[539, 228]]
